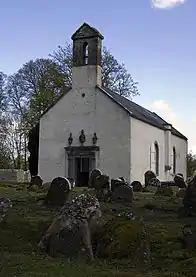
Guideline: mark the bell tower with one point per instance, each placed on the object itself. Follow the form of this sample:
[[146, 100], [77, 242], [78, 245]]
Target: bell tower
[[87, 49]]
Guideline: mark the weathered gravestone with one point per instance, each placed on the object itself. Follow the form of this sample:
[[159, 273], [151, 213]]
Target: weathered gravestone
[[72, 182], [5, 205], [93, 175], [71, 232], [137, 186], [102, 187], [115, 183], [148, 176], [179, 181], [58, 192], [36, 181], [123, 192], [155, 182], [189, 200]]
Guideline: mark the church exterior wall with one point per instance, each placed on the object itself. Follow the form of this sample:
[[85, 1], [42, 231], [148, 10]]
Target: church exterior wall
[[95, 112], [181, 147], [143, 137]]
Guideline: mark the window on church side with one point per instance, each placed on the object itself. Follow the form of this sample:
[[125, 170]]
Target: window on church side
[[85, 53], [156, 147], [174, 160]]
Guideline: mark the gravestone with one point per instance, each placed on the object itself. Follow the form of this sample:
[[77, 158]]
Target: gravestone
[[148, 176], [189, 200], [115, 183], [102, 187], [72, 182], [58, 192], [72, 231], [93, 175], [179, 181], [155, 182], [137, 186], [123, 192], [36, 181]]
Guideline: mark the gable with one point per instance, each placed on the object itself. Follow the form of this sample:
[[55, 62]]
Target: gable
[[132, 109]]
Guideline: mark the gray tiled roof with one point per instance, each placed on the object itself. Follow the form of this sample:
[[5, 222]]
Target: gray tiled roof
[[141, 113]]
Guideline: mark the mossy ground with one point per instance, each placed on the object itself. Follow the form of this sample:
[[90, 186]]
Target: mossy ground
[[28, 219]]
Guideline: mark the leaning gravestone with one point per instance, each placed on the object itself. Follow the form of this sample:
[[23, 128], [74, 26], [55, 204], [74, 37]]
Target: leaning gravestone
[[137, 186], [148, 176], [36, 181], [115, 183], [58, 192], [179, 181], [71, 232], [5, 205]]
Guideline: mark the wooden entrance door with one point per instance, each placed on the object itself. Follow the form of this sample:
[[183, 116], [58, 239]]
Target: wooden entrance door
[[82, 171]]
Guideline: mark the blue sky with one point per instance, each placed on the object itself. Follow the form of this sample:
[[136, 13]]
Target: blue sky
[[155, 39]]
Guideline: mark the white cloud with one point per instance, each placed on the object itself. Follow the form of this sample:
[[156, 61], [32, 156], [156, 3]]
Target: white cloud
[[166, 111], [164, 4]]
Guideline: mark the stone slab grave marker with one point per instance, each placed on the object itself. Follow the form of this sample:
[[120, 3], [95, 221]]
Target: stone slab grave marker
[[58, 192], [137, 186], [72, 231], [189, 200], [179, 181], [148, 176], [93, 175], [121, 190], [36, 181]]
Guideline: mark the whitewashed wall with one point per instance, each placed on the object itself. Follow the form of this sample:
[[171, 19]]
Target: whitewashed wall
[[94, 113], [143, 137], [181, 147]]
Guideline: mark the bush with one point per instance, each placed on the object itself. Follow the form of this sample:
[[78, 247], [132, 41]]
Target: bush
[[125, 239]]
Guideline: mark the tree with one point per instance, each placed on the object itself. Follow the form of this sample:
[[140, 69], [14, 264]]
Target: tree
[[33, 88], [191, 164], [3, 99], [114, 75]]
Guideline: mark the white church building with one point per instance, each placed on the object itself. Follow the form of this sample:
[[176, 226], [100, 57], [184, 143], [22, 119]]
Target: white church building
[[93, 127]]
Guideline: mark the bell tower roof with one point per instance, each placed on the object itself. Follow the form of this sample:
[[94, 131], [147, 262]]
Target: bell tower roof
[[86, 31]]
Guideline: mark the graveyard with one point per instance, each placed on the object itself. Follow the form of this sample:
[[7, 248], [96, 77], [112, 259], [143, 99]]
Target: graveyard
[[165, 249]]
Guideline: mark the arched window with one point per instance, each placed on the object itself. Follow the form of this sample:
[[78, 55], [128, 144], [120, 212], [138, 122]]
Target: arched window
[[174, 160], [156, 148], [85, 53]]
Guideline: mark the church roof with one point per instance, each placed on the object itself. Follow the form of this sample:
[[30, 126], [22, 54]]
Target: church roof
[[141, 113], [86, 31]]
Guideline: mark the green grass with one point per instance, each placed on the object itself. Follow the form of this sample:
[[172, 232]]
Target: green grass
[[28, 219]]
